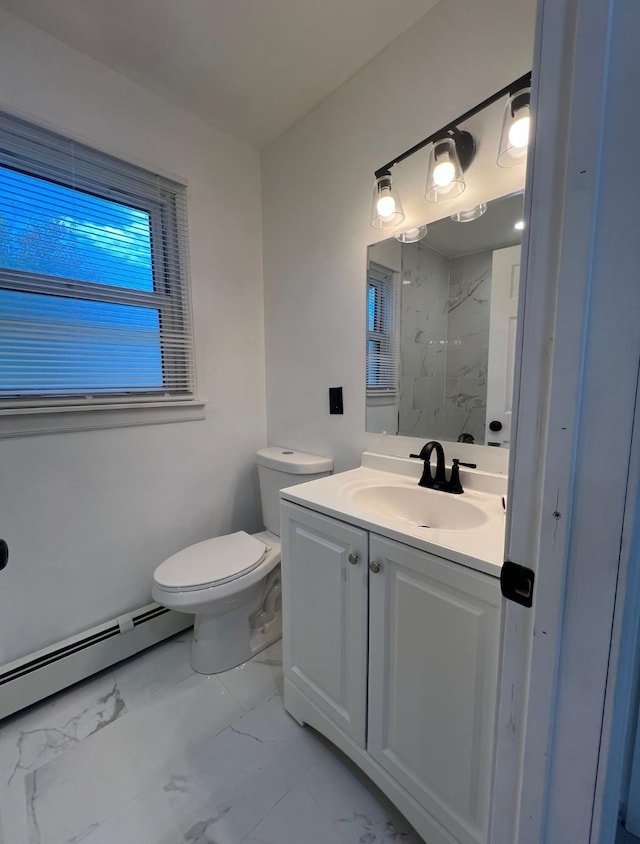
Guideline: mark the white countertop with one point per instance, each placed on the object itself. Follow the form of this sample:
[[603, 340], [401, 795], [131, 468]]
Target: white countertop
[[480, 548]]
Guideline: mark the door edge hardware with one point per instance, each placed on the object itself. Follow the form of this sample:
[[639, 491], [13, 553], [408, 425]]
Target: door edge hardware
[[516, 583]]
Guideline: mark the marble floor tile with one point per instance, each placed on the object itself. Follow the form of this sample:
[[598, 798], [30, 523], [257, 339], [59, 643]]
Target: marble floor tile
[[257, 679], [39, 734], [146, 820], [244, 771], [110, 768], [154, 671], [357, 809], [152, 753], [296, 818]]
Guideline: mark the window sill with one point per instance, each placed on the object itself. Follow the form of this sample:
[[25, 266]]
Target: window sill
[[33, 421], [379, 398]]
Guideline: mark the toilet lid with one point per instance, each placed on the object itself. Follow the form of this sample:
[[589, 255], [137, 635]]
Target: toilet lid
[[211, 562]]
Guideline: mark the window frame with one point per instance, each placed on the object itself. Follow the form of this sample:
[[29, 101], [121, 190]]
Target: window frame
[[43, 154]]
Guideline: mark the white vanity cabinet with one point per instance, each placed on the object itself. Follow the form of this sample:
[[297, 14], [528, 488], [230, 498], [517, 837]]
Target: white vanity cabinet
[[325, 615], [433, 662], [394, 657]]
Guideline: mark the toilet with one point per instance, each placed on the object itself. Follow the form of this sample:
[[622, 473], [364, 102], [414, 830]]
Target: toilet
[[231, 583]]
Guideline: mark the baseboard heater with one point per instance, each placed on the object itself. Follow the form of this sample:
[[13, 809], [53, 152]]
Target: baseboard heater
[[43, 673]]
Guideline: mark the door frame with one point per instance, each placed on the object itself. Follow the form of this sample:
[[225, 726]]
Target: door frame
[[578, 352]]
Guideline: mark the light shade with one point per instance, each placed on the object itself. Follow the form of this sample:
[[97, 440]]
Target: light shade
[[386, 208], [516, 125], [411, 235], [469, 214], [445, 179]]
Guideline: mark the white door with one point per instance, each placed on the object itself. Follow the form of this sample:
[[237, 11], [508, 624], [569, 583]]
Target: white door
[[575, 468], [430, 618], [324, 578], [505, 277]]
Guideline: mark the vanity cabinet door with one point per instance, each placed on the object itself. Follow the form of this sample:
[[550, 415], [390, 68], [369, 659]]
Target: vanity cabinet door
[[433, 665], [324, 577]]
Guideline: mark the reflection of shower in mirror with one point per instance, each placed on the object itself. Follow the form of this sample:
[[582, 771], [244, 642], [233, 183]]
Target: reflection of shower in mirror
[[445, 338]]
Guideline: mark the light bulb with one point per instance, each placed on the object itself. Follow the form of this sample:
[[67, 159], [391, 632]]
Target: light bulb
[[519, 226], [386, 205], [444, 172], [519, 132]]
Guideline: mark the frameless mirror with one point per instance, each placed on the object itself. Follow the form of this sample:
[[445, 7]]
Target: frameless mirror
[[441, 322]]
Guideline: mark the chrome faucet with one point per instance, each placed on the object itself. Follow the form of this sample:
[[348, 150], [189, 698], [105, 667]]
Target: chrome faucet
[[439, 480]]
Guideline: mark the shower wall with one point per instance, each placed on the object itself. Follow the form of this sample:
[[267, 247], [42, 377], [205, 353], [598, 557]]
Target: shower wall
[[444, 339], [465, 402], [423, 341]]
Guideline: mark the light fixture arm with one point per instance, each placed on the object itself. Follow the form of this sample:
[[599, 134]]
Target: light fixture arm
[[451, 129]]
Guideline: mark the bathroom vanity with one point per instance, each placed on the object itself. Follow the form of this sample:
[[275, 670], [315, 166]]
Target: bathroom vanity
[[391, 633]]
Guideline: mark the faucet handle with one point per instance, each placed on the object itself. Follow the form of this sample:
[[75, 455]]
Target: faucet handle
[[468, 465], [415, 456]]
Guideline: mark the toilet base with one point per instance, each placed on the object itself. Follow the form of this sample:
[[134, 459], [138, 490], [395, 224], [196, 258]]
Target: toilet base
[[221, 642]]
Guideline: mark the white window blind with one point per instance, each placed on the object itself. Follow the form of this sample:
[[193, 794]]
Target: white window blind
[[383, 307], [94, 293]]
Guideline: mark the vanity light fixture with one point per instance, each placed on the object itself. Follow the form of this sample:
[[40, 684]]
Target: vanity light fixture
[[411, 235], [519, 225], [451, 153], [470, 213], [387, 207], [516, 125]]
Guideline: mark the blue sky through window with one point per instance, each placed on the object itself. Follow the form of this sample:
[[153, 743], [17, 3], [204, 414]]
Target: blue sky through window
[[53, 230], [58, 344]]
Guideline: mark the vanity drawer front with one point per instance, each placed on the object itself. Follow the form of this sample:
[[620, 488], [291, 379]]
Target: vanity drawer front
[[433, 665], [324, 575]]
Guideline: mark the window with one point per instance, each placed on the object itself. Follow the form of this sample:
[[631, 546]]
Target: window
[[382, 347], [94, 304]]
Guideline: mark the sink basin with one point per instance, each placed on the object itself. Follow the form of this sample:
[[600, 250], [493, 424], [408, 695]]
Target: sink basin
[[422, 507]]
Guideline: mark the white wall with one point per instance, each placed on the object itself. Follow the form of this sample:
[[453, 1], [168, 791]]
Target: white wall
[[317, 181], [89, 515]]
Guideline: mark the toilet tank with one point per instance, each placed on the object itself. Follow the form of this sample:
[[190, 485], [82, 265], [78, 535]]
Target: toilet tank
[[280, 467]]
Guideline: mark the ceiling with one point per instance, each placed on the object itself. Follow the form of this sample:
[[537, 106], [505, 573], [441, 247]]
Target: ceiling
[[491, 231], [250, 67]]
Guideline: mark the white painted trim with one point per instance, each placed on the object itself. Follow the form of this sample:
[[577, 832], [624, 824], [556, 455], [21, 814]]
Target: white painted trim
[[377, 398], [579, 352], [33, 421], [553, 58], [621, 703], [91, 142]]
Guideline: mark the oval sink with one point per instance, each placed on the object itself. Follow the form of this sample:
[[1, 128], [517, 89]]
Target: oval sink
[[422, 507]]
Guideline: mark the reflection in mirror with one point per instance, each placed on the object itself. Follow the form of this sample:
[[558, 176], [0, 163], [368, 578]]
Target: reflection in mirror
[[441, 319]]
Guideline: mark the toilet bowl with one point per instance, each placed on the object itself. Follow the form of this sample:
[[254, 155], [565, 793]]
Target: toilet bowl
[[225, 582], [231, 583]]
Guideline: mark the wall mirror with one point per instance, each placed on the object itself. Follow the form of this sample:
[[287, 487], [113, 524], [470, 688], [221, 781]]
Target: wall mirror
[[441, 323]]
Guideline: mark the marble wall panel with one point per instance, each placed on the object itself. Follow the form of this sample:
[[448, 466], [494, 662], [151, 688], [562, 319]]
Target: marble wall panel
[[423, 339], [468, 346]]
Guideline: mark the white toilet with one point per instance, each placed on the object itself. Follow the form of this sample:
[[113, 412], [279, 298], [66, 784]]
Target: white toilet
[[232, 583]]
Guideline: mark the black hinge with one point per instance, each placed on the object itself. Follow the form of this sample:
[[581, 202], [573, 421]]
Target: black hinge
[[516, 583]]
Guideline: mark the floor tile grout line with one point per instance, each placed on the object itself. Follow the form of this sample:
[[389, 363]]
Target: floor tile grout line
[[277, 803]]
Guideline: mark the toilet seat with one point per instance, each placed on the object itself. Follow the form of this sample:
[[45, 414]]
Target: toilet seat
[[211, 563]]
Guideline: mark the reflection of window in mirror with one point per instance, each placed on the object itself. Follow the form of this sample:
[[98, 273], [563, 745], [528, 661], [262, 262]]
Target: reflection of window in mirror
[[382, 370]]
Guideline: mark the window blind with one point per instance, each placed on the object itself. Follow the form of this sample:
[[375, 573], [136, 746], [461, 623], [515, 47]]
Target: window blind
[[94, 277], [383, 309]]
